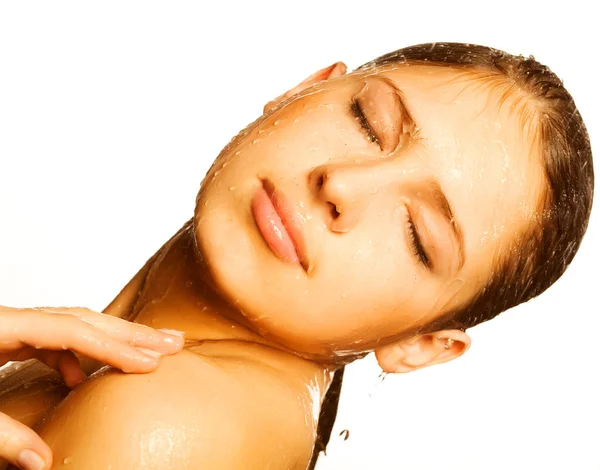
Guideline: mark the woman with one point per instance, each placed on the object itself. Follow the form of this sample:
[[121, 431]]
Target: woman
[[387, 210]]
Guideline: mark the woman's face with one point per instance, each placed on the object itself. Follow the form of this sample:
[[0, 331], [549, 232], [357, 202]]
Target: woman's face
[[366, 206]]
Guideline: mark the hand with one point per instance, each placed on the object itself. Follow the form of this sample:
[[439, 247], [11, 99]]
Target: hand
[[52, 335]]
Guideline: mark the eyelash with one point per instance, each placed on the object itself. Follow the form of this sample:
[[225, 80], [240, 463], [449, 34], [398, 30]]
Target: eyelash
[[363, 121], [415, 241]]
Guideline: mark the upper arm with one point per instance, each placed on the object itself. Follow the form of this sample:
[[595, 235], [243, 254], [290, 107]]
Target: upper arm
[[190, 413]]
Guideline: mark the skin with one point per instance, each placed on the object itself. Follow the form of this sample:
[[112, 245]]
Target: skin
[[359, 285]]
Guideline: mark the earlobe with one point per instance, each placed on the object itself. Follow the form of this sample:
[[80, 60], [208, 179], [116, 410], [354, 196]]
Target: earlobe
[[422, 351], [334, 70]]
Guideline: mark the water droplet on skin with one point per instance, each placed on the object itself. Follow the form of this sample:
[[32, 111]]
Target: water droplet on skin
[[238, 152], [67, 460], [189, 283], [296, 121], [231, 188], [256, 141], [276, 123]]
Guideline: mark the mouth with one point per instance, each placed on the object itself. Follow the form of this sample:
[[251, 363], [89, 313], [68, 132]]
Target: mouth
[[280, 224]]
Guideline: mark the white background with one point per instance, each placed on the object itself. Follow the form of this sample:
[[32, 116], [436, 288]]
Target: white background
[[111, 112]]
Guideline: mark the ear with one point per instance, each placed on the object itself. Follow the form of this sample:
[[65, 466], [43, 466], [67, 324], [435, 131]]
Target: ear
[[422, 351], [335, 70]]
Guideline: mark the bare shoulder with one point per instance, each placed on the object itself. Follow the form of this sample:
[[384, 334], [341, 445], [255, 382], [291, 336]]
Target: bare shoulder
[[194, 411]]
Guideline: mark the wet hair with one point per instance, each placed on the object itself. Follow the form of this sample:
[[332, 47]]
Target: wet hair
[[541, 254]]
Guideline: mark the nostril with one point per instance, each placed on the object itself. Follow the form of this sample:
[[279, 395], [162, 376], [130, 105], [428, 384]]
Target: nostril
[[334, 212]]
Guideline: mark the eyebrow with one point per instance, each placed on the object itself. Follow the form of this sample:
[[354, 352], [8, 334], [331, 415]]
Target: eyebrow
[[401, 97], [442, 205]]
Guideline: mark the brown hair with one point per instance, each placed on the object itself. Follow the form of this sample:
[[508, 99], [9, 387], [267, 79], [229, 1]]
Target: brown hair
[[543, 252]]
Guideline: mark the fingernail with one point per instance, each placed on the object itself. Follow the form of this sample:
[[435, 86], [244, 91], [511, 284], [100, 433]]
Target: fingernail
[[149, 352], [172, 332], [29, 460]]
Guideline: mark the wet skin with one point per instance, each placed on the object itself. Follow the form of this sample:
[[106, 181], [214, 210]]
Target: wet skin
[[360, 187]]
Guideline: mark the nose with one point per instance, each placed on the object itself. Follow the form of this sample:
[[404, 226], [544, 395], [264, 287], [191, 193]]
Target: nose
[[345, 192]]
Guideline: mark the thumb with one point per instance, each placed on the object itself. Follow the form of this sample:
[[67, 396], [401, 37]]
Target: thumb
[[21, 446]]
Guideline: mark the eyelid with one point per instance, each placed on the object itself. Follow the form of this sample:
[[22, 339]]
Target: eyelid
[[418, 247], [437, 240], [385, 114], [359, 114]]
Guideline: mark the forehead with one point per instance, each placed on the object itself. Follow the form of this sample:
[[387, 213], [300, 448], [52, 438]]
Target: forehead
[[477, 146]]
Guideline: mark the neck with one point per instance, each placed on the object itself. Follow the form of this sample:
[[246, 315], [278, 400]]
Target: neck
[[178, 293]]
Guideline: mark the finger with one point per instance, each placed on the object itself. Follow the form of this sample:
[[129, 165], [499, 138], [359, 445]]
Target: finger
[[66, 363], [21, 446], [163, 341], [61, 332]]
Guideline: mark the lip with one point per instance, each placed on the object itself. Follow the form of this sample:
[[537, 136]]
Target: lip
[[280, 224]]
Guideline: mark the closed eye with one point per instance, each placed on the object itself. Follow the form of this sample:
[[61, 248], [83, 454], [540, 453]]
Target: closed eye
[[415, 242], [364, 122]]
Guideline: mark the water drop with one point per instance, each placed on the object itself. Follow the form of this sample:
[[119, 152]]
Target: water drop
[[231, 188], [67, 460]]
